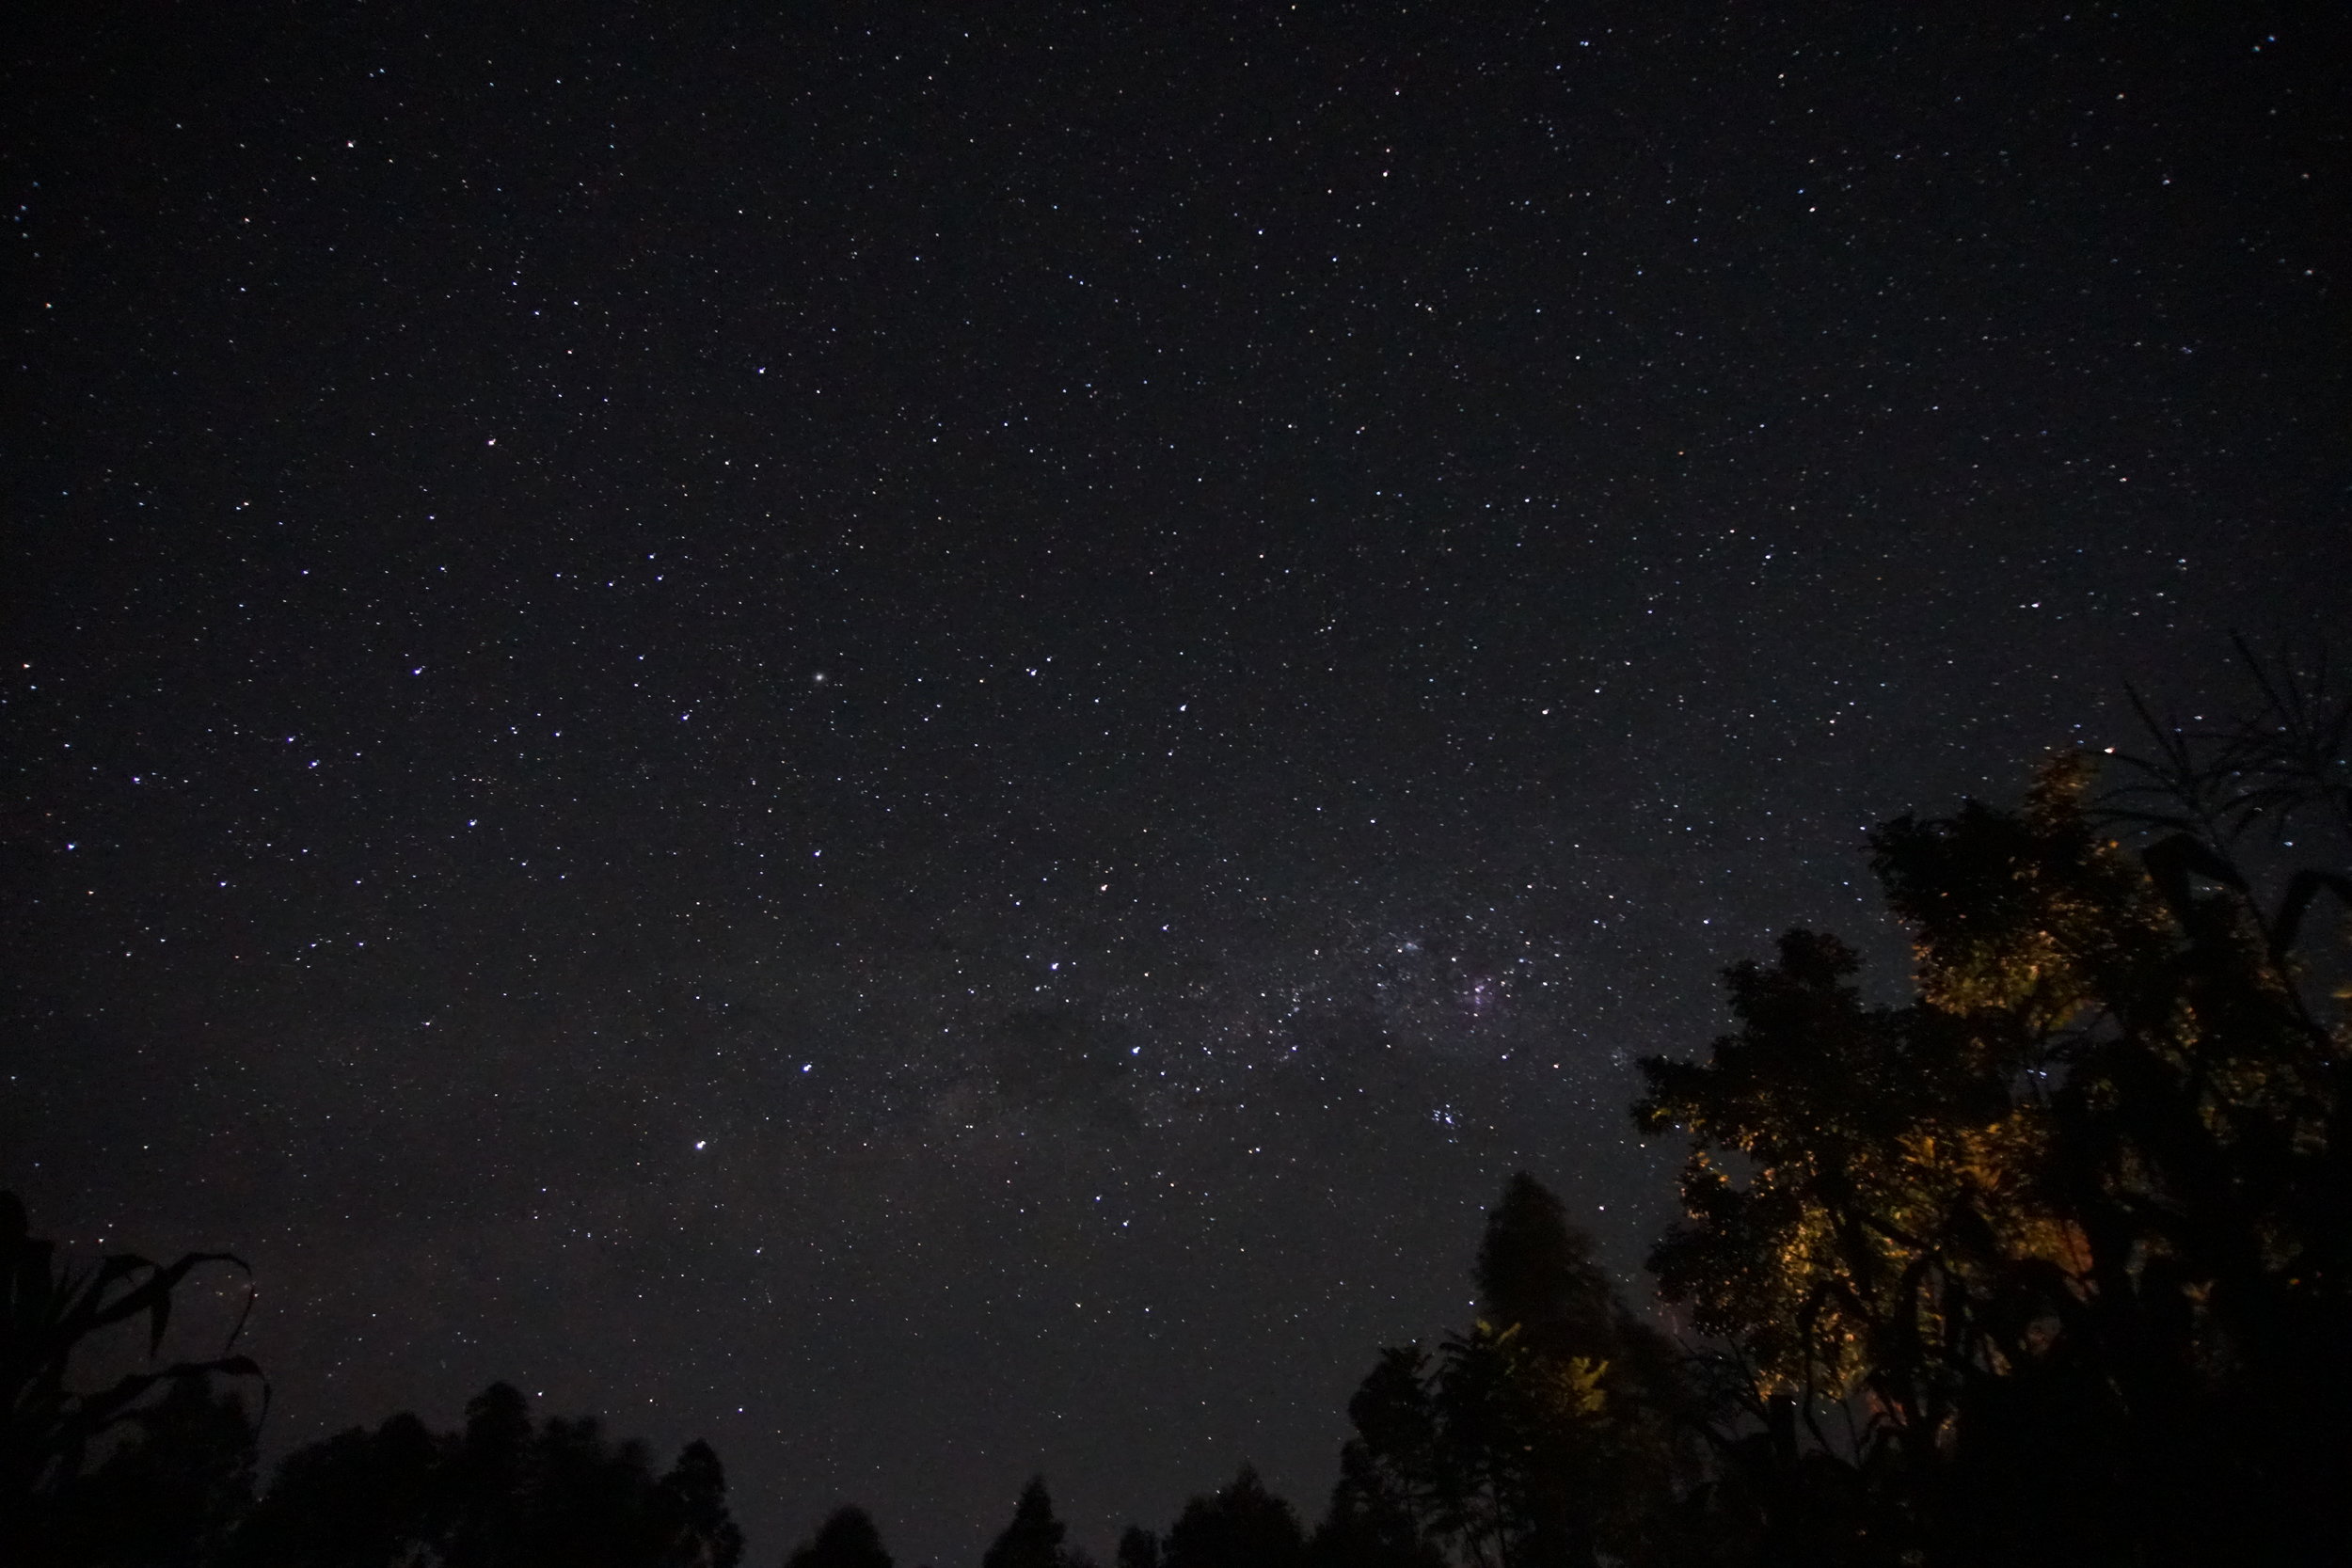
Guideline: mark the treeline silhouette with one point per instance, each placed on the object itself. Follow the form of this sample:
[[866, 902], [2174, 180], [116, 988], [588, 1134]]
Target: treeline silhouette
[[2051, 1263]]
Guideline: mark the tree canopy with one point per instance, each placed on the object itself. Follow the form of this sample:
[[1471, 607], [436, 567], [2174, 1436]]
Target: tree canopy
[[2047, 1263], [1034, 1537]]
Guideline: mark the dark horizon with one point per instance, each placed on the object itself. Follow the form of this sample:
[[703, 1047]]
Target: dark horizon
[[922, 743]]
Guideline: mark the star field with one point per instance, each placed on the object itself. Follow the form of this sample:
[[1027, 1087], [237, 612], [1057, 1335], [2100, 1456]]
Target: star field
[[921, 739]]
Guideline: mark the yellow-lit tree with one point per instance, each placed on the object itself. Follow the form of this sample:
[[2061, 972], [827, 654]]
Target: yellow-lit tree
[[2050, 1263]]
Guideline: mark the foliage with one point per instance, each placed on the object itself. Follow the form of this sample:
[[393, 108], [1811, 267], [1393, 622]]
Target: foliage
[[1241, 1526], [1034, 1537], [847, 1539], [1542, 1436], [171, 1487], [1139, 1548], [2050, 1263], [50, 1316], [505, 1492]]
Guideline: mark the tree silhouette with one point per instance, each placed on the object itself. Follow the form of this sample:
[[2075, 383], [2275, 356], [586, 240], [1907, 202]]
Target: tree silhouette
[[847, 1539], [1538, 1438], [359, 1499], [507, 1492], [1536, 1270], [1242, 1526], [1034, 1537], [1371, 1523], [2053, 1263], [690, 1512], [489, 1479], [1139, 1548], [171, 1489]]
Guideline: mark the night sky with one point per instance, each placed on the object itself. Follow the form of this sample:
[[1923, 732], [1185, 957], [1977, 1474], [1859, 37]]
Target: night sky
[[921, 737]]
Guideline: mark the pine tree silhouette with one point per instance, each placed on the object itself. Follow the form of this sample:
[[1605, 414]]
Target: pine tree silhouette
[[1139, 1548], [1034, 1537], [696, 1529], [1244, 1525]]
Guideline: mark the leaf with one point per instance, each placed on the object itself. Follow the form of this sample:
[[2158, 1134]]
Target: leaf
[[2172, 862], [2306, 885]]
